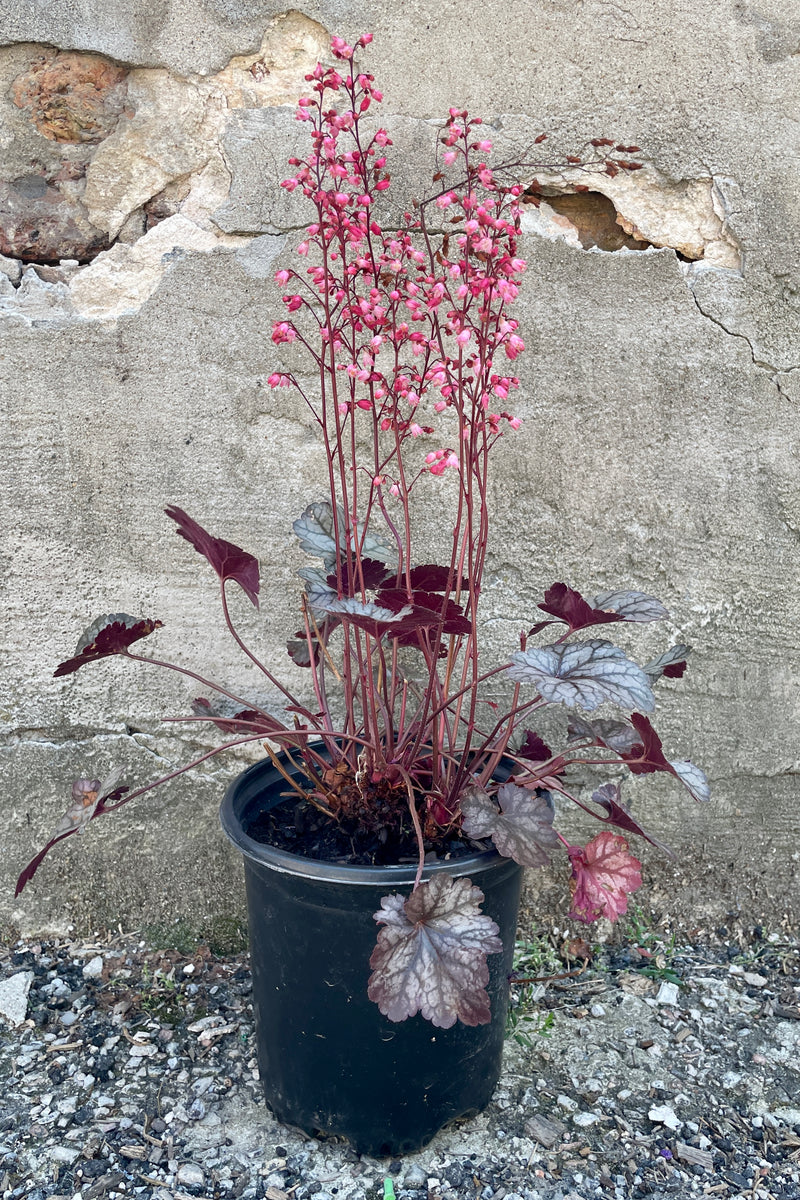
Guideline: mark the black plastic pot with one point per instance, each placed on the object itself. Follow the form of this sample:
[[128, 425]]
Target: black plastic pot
[[329, 1061]]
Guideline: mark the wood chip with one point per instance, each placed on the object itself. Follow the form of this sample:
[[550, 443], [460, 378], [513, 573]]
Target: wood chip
[[695, 1156], [544, 1131], [133, 1151], [273, 1193]]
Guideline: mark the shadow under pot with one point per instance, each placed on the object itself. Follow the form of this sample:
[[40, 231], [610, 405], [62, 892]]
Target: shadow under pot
[[329, 1061]]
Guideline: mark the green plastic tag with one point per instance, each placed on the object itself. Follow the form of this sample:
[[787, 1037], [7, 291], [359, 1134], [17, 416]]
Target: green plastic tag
[[388, 1190]]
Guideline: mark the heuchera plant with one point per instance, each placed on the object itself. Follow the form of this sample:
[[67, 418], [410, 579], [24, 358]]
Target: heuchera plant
[[409, 351]]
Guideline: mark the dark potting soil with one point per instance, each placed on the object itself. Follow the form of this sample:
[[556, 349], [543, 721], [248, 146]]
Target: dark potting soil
[[300, 828]]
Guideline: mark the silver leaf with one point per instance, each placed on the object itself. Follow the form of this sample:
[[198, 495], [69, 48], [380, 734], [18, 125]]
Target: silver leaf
[[584, 675]]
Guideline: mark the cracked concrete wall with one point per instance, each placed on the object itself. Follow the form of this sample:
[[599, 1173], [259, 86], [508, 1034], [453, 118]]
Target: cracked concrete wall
[[144, 145]]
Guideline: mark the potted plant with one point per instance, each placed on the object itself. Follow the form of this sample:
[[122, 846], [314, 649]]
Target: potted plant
[[400, 794]]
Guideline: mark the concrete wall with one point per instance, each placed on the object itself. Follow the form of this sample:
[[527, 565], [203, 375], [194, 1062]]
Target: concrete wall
[[140, 151]]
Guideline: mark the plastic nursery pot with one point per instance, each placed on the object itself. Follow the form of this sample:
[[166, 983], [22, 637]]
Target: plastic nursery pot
[[329, 1061]]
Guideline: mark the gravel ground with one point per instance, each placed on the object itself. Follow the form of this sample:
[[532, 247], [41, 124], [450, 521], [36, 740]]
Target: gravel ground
[[658, 1070]]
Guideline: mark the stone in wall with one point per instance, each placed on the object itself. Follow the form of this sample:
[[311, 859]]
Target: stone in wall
[[72, 97], [116, 151]]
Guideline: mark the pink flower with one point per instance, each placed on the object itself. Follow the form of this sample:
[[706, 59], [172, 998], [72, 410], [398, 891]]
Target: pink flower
[[282, 277], [282, 331], [449, 157], [514, 346], [340, 48], [276, 380], [463, 337]]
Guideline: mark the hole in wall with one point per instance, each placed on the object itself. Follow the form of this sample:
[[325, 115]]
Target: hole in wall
[[596, 220]]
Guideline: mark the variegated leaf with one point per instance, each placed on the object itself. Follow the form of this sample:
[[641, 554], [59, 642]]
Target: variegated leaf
[[584, 675], [671, 663], [521, 829], [693, 779], [632, 606], [431, 954]]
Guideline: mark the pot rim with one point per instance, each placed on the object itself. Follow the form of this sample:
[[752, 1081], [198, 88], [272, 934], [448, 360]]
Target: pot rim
[[249, 783]]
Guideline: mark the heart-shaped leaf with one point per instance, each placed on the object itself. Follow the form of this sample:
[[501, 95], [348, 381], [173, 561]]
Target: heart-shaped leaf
[[632, 606], [108, 635], [315, 529], [522, 827], [584, 675], [431, 954], [229, 561], [431, 578], [671, 664], [604, 874]]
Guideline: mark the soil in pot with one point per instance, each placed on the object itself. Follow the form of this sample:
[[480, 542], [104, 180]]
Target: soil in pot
[[330, 1062]]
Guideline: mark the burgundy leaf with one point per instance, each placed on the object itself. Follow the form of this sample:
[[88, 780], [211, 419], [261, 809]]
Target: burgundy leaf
[[430, 578], [604, 874], [375, 574], [108, 635], [521, 829], [609, 798], [641, 760], [533, 748], [648, 756], [538, 627], [429, 602], [229, 561], [569, 606], [431, 954], [234, 721], [674, 670], [671, 664]]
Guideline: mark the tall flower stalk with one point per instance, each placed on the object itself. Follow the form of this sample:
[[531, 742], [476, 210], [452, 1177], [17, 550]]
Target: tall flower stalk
[[408, 347]]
